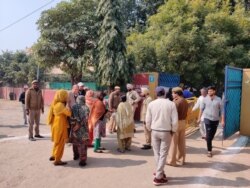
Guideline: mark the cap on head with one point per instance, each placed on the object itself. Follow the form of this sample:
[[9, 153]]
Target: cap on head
[[117, 88], [144, 91], [129, 86], [160, 91], [177, 89], [25, 87], [80, 84], [34, 81]]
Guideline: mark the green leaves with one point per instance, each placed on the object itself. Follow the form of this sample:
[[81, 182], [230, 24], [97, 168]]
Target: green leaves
[[68, 32], [195, 39], [112, 68], [17, 69]]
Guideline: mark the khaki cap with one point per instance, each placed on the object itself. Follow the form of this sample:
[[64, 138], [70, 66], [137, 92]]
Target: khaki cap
[[34, 81], [177, 89]]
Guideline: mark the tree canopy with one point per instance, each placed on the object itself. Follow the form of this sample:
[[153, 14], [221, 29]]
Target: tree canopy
[[113, 67], [17, 69], [68, 34], [195, 39]]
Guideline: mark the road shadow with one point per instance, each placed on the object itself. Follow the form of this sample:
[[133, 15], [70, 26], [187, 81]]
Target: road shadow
[[208, 180], [93, 162], [13, 126], [3, 136], [111, 146], [219, 166]]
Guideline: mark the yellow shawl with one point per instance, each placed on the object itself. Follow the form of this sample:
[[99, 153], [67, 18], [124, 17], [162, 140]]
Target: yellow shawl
[[125, 120], [57, 105]]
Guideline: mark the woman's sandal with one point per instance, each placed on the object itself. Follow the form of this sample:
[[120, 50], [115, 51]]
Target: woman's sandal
[[52, 158]]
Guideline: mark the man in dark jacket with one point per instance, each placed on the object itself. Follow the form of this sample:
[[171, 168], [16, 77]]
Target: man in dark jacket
[[22, 100]]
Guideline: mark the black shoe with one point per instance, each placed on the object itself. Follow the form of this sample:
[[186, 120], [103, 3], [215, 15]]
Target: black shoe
[[102, 148], [120, 150], [39, 136], [145, 147], [59, 163], [32, 139], [52, 158], [76, 157], [98, 151], [82, 163]]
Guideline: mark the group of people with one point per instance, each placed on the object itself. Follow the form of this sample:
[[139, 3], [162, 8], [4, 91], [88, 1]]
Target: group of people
[[166, 120], [81, 115], [80, 118]]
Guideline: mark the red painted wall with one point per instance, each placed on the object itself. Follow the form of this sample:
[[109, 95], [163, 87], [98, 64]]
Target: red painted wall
[[48, 94]]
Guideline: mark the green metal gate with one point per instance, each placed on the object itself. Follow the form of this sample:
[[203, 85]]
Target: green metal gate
[[233, 87]]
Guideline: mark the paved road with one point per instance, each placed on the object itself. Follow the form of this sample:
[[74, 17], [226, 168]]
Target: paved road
[[25, 164]]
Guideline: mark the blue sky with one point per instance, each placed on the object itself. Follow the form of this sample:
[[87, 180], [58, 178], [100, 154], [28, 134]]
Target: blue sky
[[24, 33]]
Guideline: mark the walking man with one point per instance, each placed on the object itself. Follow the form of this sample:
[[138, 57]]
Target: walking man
[[145, 103], [212, 111], [22, 100], [198, 106], [177, 151], [34, 105], [114, 100], [162, 119]]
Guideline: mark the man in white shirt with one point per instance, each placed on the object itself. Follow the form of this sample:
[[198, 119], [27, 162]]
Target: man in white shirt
[[198, 106], [162, 120]]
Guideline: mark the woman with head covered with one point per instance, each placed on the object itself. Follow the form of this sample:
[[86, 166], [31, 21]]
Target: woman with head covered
[[90, 100], [57, 118], [125, 125], [96, 121], [79, 132]]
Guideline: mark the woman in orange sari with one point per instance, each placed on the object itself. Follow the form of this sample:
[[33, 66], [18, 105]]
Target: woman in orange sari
[[96, 121], [89, 98], [57, 118]]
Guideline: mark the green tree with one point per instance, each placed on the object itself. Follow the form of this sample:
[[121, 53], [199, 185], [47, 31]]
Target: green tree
[[112, 67], [195, 39], [18, 68], [68, 34], [136, 12]]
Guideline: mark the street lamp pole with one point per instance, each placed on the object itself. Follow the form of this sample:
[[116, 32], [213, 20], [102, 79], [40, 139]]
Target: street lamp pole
[[37, 73]]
